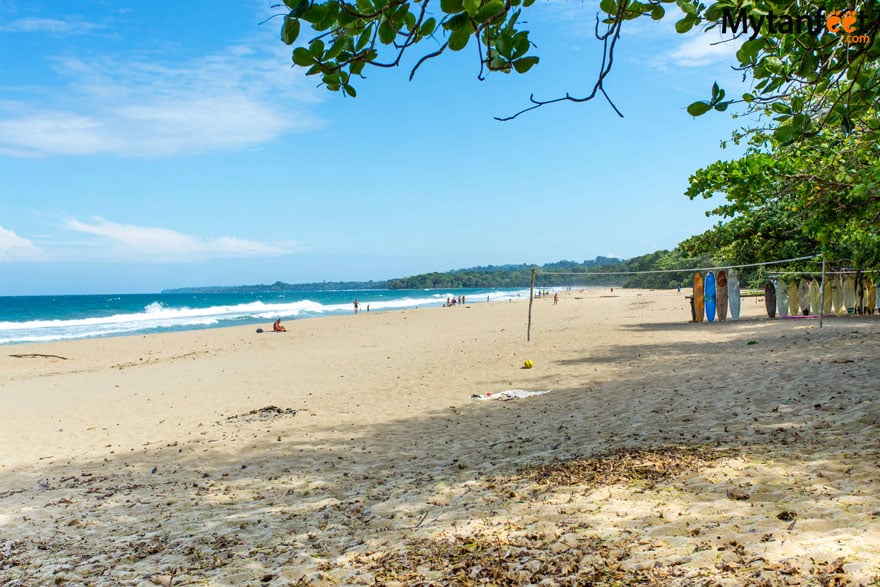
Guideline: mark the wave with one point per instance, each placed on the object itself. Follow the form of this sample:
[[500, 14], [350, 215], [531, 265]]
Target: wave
[[159, 316]]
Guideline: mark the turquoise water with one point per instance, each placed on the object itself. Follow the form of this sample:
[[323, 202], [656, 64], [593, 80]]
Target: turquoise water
[[48, 318]]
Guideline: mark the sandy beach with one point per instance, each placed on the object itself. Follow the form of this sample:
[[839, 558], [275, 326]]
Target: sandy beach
[[350, 451]]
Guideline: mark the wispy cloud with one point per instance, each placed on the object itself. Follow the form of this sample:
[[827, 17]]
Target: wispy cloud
[[48, 25], [113, 241], [17, 248], [159, 104], [704, 49]]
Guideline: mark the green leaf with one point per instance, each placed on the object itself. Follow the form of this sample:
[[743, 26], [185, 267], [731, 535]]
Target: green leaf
[[685, 24], [492, 10], [658, 12], [297, 7], [451, 6], [459, 21], [784, 134], [520, 45], [524, 64], [364, 39], [471, 6], [315, 14], [698, 108], [459, 38], [337, 47], [317, 48], [302, 57], [780, 108], [364, 6], [527, 3], [357, 67], [290, 30], [608, 6], [428, 27], [349, 90], [386, 33]]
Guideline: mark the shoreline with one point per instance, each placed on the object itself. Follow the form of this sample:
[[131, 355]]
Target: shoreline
[[161, 459]]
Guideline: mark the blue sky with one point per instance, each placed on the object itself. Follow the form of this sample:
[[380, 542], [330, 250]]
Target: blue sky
[[146, 145]]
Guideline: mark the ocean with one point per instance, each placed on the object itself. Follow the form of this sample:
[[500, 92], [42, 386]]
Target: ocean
[[26, 319]]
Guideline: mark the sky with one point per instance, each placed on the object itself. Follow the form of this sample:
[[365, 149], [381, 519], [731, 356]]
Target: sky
[[151, 145]]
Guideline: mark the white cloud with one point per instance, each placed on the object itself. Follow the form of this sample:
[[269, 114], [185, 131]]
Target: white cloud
[[126, 242], [48, 25], [16, 248], [704, 49], [131, 105]]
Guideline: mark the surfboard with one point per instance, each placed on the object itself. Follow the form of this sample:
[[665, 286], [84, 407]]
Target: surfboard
[[837, 294], [815, 297], [826, 308], [710, 293], [849, 294], [861, 295], [721, 293], [733, 296], [769, 299], [804, 295], [782, 297], [793, 297], [698, 296], [870, 295]]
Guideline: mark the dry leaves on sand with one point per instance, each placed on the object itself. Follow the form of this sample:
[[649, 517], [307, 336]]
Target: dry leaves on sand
[[626, 465], [263, 414]]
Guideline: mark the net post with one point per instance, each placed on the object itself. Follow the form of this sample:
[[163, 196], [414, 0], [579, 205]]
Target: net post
[[822, 293], [531, 297]]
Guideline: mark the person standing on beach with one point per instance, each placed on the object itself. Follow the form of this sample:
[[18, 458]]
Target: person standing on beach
[[356, 306]]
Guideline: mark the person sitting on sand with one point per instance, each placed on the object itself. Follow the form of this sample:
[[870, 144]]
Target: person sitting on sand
[[278, 327]]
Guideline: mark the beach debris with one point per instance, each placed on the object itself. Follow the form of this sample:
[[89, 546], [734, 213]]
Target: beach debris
[[737, 494], [508, 395], [787, 516], [263, 414], [37, 356], [625, 465]]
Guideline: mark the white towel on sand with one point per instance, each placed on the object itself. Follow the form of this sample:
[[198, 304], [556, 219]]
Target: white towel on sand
[[509, 394]]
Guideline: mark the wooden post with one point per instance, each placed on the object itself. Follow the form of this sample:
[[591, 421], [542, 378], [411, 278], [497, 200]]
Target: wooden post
[[822, 293], [531, 297]]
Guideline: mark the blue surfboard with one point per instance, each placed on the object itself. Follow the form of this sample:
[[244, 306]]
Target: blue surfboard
[[709, 289]]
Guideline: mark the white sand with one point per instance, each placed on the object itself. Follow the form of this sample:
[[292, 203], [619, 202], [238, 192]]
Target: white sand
[[134, 460]]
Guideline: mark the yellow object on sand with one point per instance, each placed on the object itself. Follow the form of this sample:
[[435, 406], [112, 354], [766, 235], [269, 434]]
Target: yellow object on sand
[[528, 364]]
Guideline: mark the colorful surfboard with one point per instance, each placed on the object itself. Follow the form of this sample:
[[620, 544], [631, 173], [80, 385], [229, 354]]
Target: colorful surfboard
[[826, 307], [710, 292], [815, 297], [733, 295], [782, 297], [837, 294], [721, 293], [769, 298], [793, 297], [698, 296], [849, 294], [861, 295], [804, 295]]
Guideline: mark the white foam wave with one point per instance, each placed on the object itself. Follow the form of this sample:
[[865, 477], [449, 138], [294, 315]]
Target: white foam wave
[[157, 316]]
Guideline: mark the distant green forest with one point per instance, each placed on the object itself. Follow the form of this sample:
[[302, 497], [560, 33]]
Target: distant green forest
[[601, 271]]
